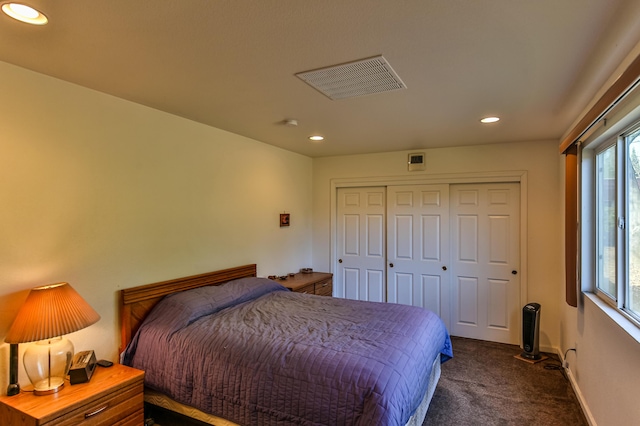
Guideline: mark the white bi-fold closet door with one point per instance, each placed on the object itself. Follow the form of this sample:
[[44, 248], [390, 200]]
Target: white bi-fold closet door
[[453, 249]]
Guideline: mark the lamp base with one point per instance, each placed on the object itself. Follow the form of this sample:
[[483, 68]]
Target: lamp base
[[14, 386], [13, 389], [47, 364], [48, 386]]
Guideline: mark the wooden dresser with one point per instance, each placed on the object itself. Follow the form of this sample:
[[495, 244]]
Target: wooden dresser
[[319, 283], [113, 396]]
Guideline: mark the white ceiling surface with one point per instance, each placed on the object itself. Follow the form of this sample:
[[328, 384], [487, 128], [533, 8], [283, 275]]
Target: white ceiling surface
[[232, 64]]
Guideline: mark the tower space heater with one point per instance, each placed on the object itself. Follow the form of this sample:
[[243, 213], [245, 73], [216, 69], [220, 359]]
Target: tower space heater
[[531, 331]]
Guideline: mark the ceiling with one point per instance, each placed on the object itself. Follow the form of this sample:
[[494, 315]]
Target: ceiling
[[231, 64]]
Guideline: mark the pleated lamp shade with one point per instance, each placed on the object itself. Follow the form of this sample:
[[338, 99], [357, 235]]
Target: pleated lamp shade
[[51, 311]]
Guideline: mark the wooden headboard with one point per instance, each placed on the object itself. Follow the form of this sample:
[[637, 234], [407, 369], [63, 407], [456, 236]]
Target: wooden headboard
[[137, 302]]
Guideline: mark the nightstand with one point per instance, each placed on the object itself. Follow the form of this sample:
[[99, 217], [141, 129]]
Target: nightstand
[[319, 283], [113, 396]]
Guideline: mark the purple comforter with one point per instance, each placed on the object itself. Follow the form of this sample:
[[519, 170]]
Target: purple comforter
[[254, 353]]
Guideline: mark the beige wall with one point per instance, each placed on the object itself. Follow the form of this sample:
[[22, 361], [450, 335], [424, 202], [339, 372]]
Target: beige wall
[[606, 368], [538, 159], [107, 194]]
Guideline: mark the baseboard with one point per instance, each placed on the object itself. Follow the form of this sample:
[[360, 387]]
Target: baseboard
[[576, 389]]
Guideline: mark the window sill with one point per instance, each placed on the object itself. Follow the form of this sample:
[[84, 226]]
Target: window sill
[[616, 316]]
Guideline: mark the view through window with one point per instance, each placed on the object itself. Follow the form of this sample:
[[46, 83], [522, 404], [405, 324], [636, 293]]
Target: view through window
[[617, 214]]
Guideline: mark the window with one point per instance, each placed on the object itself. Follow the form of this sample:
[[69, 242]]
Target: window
[[606, 221], [633, 219], [617, 219]]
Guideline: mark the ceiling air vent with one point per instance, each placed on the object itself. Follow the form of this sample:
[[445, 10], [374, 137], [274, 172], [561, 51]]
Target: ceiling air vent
[[358, 78]]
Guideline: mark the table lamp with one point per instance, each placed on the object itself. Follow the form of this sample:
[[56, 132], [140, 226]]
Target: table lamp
[[50, 312]]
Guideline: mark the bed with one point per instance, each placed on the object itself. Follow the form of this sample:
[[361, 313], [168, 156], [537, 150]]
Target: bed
[[228, 348]]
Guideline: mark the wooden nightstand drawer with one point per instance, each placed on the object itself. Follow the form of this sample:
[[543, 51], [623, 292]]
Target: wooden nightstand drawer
[[114, 396], [110, 410]]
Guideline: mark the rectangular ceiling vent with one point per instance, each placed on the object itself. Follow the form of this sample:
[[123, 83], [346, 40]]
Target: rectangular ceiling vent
[[358, 78]]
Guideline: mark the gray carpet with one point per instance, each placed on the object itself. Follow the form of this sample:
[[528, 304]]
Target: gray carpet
[[485, 385], [482, 385]]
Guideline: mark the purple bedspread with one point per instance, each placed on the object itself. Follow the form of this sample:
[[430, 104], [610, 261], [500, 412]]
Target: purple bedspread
[[257, 354]]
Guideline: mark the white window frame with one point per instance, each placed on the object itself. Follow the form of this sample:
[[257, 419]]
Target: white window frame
[[601, 148], [625, 292], [613, 306]]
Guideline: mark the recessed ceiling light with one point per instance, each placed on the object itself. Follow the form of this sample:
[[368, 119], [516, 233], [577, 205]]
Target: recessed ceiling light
[[489, 120], [316, 138], [24, 13]]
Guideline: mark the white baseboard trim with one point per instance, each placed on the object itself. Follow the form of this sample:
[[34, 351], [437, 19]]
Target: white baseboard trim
[[576, 389]]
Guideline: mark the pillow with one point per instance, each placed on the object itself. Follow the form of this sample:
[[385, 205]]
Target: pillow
[[185, 307]]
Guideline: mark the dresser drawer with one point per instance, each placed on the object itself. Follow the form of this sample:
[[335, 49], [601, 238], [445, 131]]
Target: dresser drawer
[[123, 408], [319, 283], [307, 289], [134, 419], [324, 288]]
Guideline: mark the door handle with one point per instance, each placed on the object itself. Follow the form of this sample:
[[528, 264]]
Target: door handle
[[444, 268], [391, 265], [514, 272], [339, 260]]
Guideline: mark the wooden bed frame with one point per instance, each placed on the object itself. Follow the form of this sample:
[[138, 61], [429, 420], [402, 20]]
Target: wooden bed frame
[[137, 302]]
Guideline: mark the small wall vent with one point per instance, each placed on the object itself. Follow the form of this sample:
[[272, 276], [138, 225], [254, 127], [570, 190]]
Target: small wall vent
[[352, 79], [416, 162]]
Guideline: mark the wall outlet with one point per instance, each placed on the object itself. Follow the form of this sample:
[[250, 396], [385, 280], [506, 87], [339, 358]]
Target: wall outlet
[[565, 363]]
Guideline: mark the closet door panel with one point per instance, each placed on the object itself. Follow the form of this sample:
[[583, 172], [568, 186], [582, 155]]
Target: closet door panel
[[361, 244], [418, 247]]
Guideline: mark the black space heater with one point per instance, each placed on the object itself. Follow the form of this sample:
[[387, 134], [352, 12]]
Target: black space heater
[[531, 331]]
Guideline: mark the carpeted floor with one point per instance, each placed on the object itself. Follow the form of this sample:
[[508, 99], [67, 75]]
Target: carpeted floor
[[485, 385], [482, 385]]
